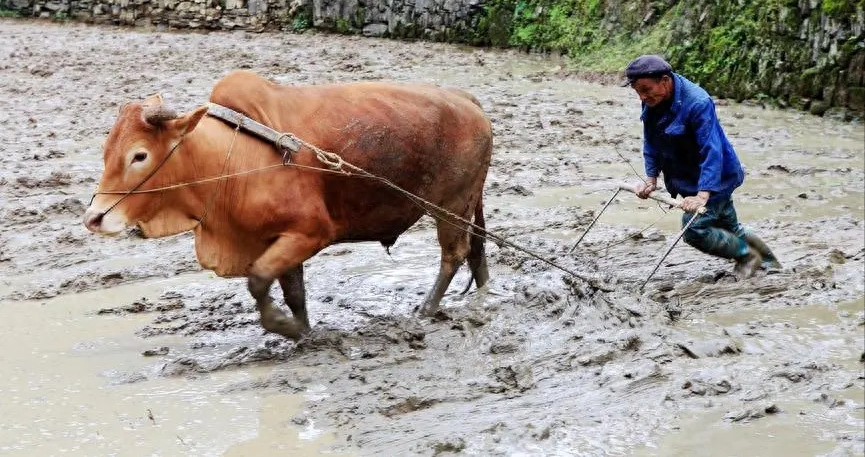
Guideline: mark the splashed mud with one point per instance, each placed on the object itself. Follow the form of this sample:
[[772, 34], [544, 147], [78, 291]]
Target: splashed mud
[[123, 341]]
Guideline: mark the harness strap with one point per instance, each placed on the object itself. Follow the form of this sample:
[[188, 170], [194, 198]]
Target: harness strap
[[283, 141]]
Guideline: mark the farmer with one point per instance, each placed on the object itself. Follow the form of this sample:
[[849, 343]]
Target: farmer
[[683, 139]]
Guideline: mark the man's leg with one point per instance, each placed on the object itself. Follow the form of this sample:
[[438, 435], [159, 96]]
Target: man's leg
[[728, 220], [710, 235]]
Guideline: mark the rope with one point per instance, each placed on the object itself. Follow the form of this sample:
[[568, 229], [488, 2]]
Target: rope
[[337, 165], [215, 191], [621, 156], [141, 183], [196, 182], [628, 237], [336, 162]]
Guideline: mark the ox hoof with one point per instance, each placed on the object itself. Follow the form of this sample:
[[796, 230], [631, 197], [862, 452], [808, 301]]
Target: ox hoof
[[427, 311], [434, 312], [288, 327]]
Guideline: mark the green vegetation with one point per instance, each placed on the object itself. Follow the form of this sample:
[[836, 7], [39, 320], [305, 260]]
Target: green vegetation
[[342, 26], [301, 21], [838, 8], [742, 49], [9, 13]]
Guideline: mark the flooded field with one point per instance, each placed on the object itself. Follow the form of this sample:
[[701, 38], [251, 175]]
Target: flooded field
[[119, 345]]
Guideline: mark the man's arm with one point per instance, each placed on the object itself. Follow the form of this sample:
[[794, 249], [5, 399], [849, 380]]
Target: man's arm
[[650, 155], [705, 124], [650, 162], [707, 132]]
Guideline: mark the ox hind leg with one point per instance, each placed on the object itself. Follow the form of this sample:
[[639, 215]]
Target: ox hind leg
[[477, 251], [454, 242], [283, 260]]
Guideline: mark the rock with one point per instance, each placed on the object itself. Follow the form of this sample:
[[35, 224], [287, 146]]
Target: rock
[[856, 98], [819, 107], [830, 401], [793, 376], [709, 348], [375, 30], [155, 352], [750, 414], [517, 190], [515, 377], [710, 387], [408, 405]]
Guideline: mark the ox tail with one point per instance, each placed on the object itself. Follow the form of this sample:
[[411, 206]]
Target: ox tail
[[477, 253]]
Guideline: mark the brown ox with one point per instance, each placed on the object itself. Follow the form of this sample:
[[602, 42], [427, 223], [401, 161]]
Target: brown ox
[[435, 143]]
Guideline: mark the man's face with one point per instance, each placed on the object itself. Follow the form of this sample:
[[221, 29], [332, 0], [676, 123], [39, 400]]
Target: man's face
[[653, 91]]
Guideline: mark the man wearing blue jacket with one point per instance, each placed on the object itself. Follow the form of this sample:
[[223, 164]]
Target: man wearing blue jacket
[[683, 139]]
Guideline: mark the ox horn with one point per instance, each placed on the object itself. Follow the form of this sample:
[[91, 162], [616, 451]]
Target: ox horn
[[156, 115]]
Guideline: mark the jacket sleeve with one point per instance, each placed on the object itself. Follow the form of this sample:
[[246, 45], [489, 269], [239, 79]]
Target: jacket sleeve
[[705, 124], [650, 155]]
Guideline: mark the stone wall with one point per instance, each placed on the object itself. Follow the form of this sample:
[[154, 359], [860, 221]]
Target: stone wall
[[427, 19], [253, 15]]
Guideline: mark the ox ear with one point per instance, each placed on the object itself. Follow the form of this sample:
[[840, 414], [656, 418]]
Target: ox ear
[[187, 122], [153, 100]]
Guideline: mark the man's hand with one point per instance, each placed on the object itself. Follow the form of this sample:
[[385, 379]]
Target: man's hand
[[643, 190], [693, 204]]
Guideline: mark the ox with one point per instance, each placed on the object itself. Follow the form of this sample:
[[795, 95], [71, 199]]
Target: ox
[[433, 142]]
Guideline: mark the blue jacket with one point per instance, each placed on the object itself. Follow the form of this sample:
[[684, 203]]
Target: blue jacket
[[687, 144]]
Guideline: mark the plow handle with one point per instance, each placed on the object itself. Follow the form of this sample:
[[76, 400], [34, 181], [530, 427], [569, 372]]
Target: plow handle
[[660, 198]]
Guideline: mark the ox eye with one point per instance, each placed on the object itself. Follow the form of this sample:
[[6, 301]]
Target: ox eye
[[139, 157]]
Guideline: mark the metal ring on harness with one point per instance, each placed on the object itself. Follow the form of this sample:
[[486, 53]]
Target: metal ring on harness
[[286, 150]]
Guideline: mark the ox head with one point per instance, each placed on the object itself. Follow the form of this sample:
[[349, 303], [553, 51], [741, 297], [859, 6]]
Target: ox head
[[137, 157]]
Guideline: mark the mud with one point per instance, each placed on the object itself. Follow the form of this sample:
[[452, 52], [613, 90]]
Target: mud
[[537, 363]]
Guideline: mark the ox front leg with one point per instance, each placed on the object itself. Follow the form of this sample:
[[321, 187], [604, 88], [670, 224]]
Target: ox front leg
[[455, 248], [283, 260]]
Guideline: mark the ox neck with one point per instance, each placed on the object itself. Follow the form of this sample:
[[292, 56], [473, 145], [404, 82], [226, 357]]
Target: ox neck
[[210, 151]]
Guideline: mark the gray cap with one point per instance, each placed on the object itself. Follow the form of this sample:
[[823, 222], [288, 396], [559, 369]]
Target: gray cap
[[645, 65]]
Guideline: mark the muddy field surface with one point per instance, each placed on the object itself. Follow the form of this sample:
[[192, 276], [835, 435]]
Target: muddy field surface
[[537, 363]]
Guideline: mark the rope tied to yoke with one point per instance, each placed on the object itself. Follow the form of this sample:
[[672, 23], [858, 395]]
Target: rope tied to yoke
[[334, 163], [329, 159], [337, 164]]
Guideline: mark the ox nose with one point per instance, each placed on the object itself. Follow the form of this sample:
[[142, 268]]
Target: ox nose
[[93, 220]]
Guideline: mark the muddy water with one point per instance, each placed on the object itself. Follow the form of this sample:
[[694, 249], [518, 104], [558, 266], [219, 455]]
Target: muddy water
[[70, 388], [802, 423], [534, 364]]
